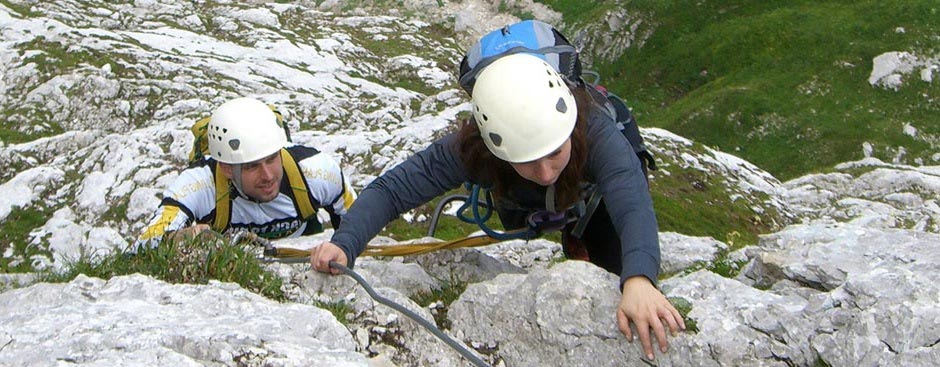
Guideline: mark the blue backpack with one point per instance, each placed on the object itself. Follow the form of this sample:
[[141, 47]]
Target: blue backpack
[[543, 40]]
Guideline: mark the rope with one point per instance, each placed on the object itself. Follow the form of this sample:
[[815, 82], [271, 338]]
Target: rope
[[417, 318]]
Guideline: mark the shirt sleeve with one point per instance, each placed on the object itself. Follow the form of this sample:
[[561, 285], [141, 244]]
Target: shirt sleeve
[[169, 217], [190, 197], [422, 177], [621, 181], [327, 183]]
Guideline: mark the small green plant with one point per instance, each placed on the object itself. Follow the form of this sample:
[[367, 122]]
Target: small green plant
[[684, 307], [820, 362], [725, 267], [117, 211], [14, 237], [194, 261], [338, 309], [448, 293]]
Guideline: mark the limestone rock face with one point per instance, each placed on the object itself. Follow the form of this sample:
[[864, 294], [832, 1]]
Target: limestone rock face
[[138, 321]]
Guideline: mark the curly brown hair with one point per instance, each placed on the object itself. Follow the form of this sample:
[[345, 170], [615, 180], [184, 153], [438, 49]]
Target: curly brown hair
[[490, 170]]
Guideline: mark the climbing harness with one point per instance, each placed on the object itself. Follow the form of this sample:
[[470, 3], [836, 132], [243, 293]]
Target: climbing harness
[[537, 223]]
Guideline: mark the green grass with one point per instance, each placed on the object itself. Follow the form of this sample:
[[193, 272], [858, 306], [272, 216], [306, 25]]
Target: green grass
[[117, 211], [22, 124], [684, 307], [338, 309], [693, 204], [58, 58], [578, 9], [194, 261], [783, 84], [448, 227], [393, 45], [20, 10], [820, 362], [448, 293], [14, 234]]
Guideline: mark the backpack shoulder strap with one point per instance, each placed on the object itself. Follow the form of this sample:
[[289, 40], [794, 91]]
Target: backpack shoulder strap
[[297, 185], [223, 201], [200, 142], [280, 120]]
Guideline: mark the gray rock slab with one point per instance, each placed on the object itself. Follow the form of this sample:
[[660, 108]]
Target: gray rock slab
[[138, 321]]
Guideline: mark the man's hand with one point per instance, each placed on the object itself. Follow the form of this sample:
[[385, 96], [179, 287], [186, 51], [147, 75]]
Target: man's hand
[[321, 256], [191, 231], [647, 308]]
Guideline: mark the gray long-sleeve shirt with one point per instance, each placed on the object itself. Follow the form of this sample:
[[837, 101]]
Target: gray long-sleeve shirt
[[611, 165]]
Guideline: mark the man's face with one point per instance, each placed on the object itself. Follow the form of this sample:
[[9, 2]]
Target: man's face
[[261, 179]]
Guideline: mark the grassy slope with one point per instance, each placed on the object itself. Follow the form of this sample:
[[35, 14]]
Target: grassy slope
[[786, 82], [786, 87]]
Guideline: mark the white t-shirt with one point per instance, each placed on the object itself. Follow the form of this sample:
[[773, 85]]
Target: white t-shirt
[[191, 199]]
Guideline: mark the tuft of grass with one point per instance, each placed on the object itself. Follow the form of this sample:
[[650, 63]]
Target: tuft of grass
[[726, 267], [23, 124], [117, 211], [448, 293], [193, 261], [684, 307], [820, 362], [22, 10], [340, 310], [14, 237]]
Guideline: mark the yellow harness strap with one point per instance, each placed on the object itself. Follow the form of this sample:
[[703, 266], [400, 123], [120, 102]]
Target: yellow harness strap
[[223, 202], [296, 181]]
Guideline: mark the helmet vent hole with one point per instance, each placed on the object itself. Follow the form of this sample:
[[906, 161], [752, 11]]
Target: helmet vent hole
[[484, 117], [234, 143], [550, 84], [225, 131], [497, 140], [561, 106]]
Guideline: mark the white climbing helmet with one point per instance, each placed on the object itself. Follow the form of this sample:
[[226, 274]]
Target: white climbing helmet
[[244, 130], [523, 108]]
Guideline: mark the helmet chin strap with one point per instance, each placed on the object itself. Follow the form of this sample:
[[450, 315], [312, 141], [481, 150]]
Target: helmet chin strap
[[237, 178], [237, 182]]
